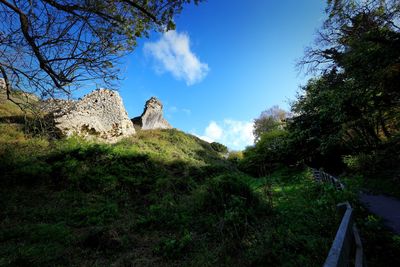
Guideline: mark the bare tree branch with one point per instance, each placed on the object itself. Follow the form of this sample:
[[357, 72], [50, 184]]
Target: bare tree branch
[[54, 47]]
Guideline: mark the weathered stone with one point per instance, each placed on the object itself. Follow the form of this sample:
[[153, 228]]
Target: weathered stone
[[100, 114], [56, 105], [152, 116]]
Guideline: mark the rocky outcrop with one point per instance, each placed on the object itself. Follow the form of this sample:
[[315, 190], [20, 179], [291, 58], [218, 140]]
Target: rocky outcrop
[[100, 114], [56, 105], [152, 116]]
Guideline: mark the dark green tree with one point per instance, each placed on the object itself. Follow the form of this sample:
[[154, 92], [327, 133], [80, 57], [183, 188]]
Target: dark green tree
[[353, 104]]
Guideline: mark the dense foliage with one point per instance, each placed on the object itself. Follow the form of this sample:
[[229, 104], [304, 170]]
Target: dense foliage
[[219, 147], [150, 200], [347, 116], [160, 198], [269, 153], [269, 120], [352, 108], [346, 119]]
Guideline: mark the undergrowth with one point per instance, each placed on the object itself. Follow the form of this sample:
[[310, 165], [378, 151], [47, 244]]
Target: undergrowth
[[161, 198]]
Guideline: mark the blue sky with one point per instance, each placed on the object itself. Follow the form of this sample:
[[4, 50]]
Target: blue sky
[[227, 61]]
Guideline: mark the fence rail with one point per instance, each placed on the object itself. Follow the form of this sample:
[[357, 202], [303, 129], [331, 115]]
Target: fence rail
[[324, 177], [347, 241]]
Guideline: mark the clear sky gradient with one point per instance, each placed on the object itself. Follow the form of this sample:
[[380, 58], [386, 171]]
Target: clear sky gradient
[[227, 61]]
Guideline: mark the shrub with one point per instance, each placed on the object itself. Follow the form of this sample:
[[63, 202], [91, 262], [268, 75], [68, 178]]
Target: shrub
[[235, 156], [229, 207], [222, 191], [269, 153], [174, 247], [219, 147]]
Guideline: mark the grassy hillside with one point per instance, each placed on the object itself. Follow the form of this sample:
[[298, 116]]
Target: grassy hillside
[[160, 198], [100, 200]]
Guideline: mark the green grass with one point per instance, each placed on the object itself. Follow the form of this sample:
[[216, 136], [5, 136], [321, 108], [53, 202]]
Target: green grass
[[160, 198], [9, 109], [306, 219], [147, 200]]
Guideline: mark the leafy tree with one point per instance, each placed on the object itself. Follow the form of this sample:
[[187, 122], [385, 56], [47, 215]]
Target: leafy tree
[[55, 46], [267, 154], [353, 105], [361, 40], [271, 143], [316, 132], [269, 120]]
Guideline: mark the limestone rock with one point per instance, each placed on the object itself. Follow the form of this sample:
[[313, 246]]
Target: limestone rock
[[152, 116], [56, 105], [100, 114]]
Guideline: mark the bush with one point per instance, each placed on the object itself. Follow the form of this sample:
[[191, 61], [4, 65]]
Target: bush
[[219, 147], [235, 156], [228, 205], [269, 153], [380, 167], [221, 192], [174, 247]]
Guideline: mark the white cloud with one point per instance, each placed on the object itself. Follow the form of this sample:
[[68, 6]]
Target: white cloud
[[238, 134], [173, 54], [174, 110], [205, 138], [234, 134], [213, 131]]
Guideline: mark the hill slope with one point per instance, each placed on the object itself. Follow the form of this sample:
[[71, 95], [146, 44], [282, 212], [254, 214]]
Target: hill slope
[[160, 198], [149, 200]]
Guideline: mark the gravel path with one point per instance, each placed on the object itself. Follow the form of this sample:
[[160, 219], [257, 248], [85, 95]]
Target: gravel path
[[386, 207]]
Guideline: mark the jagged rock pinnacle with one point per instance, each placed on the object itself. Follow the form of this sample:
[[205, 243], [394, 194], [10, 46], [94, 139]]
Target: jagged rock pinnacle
[[152, 116]]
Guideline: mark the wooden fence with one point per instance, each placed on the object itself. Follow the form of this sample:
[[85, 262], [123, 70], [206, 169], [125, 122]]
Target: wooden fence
[[347, 240]]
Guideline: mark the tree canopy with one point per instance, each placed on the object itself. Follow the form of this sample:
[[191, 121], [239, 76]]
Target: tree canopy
[[350, 110], [269, 120], [52, 47], [352, 106]]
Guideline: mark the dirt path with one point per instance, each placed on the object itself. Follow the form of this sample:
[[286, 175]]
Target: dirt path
[[386, 207]]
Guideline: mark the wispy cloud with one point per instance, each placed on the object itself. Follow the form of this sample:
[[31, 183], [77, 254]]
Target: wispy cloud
[[173, 54], [205, 138], [233, 133], [239, 134], [187, 111], [173, 110]]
